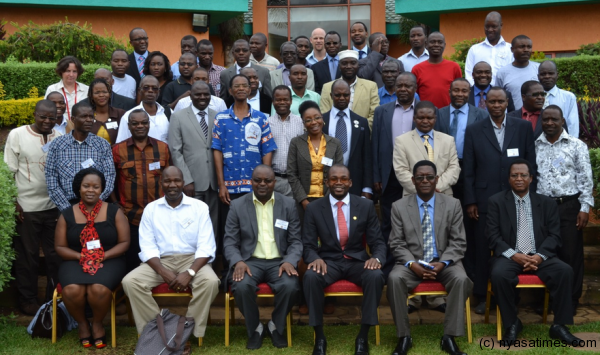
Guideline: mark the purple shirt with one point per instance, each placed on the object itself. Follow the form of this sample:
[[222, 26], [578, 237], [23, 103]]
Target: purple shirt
[[402, 120]]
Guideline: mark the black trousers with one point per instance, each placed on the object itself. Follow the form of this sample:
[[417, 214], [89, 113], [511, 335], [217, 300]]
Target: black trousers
[[557, 275], [393, 192], [285, 288], [481, 248], [353, 270], [132, 254], [37, 228], [571, 251], [470, 259]]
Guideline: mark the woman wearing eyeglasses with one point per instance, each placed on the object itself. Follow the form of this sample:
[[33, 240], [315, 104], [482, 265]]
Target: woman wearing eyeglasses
[[310, 157]]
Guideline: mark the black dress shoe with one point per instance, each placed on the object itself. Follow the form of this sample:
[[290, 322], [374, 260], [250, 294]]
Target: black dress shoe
[[412, 308], [480, 308], [404, 344], [255, 342], [441, 308], [278, 340], [361, 346], [449, 345], [559, 331], [511, 333], [320, 347]]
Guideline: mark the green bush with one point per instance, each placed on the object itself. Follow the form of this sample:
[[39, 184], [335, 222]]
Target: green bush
[[589, 49], [17, 112], [19, 78], [49, 43], [579, 75], [8, 197], [595, 162], [461, 49]]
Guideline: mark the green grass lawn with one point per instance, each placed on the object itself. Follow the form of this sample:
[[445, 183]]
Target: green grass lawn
[[15, 340]]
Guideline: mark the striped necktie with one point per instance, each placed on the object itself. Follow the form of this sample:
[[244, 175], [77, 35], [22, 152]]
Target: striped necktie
[[203, 123], [341, 132], [141, 66], [427, 231]]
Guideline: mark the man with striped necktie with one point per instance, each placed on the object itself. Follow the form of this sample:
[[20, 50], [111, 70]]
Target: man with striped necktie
[[139, 40]]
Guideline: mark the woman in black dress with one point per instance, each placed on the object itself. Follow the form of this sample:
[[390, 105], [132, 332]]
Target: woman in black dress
[[92, 238]]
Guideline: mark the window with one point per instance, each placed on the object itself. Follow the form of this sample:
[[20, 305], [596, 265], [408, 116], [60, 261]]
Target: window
[[291, 18]]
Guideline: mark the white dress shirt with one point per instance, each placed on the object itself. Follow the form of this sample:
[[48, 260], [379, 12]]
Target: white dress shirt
[[255, 101], [568, 104], [62, 127], [196, 113], [71, 98], [216, 104], [496, 56], [159, 125], [409, 60], [345, 209], [185, 229]]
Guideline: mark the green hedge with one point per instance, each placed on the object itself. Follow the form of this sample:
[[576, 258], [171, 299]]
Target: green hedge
[[19, 78], [15, 113], [8, 196]]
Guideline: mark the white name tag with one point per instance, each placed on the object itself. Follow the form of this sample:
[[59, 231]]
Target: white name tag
[[327, 161], [93, 244], [281, 224], [154, 166], [112, 125], [46, 147], [86, 164], [512, 152], [558, 162]]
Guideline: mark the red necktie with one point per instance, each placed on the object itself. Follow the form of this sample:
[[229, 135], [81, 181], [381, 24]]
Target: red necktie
[[342, 226]]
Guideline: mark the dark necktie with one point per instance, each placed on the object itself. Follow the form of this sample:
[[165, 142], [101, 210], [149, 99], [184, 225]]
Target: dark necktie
[[340, 131], [482, 104], [361, 54], [454, 124], [203, 123]]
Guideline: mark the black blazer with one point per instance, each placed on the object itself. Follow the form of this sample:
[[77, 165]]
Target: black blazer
[[322, 74], [486, 166], [502, 235], [133, 69], [442, 123], [364, 225], [263, 75], [511, 104], [265, 102], [369, 68], [360, 162], [119, 101]]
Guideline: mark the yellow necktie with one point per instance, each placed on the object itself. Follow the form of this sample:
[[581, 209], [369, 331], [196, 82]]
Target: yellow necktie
[[428, 147]]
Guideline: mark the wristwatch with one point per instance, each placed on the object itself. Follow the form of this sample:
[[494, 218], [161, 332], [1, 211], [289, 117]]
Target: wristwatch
[[191, 272], [379, 261]]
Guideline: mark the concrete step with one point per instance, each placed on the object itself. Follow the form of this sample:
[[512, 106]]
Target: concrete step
[[591, 255], [591, 234]]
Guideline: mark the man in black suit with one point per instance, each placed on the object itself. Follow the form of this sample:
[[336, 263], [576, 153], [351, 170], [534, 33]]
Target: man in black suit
[[342, 222], [139, 40], [116, 100], [533, 96], [355, 136], [482, 76], [370, 67], [491, 145], [523, 230], [328, 69], [358, 36], [258, 98], [241, 54], [260, 250]]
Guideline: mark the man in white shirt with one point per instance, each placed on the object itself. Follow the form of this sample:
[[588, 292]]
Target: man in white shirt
[[418, 52], [60, 125], [494, 50], [178, 245], [159, 123], [548, 75], [124, 84], [258, 54], [317, 39], [216, 103]]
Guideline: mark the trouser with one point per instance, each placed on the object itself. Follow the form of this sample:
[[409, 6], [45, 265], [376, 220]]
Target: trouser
[[283, 186], [223, 212], [353, 270], [393, 192], [556, 275], [139, 283], [284, 287], [480, 246], [458, 191], [37, 228], [132, 254], [571, 251], [211, 198], [458, 285]]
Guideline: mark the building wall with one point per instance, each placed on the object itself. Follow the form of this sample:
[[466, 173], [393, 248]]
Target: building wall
[[552, 29], [165, 30]]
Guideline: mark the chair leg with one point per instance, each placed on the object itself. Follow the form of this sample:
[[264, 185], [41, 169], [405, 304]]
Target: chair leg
[[546, 301], [377, 335], [227, 318], [498, 323], [288, 321], [54, 299], [488, 299], [200, 342], [469, 331], [113, 319]]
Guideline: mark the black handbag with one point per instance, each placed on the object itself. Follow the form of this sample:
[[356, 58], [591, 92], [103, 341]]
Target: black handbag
[[43, 324]]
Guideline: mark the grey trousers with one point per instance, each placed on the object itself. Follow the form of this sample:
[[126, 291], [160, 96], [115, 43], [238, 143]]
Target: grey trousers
[[454, 278]]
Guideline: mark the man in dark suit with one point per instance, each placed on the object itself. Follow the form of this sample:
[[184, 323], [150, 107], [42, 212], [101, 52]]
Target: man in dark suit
[[241, 54], [370, 67], [526, 239], [258, 98], [328, 69], [355, 136], [262, 243], [342, 222], [491, 145], [428, 226], [358, 35], [139, 40], [116, 100], [533, 96], [482, 76]]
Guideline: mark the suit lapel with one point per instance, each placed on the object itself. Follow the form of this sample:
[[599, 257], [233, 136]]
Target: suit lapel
[[278, 213], [328, 216], [415, 218], [303, 150], [488, 131], [536, 215], [354, 211], [509, 132], [471, 117], [252, 216], [438, 215], [511, 209], [438, 145], [388, 118], [355, 129], [419, 143], [194, 122]]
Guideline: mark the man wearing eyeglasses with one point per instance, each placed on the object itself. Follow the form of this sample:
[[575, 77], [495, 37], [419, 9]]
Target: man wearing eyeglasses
[[524, 234], [139, 41], [533, 96], [328, 69], [263, 244], [25, 154], [149, 90]]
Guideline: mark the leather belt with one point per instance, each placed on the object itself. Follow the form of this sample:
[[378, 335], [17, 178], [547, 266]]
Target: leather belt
[[281, 175], [563, 199]]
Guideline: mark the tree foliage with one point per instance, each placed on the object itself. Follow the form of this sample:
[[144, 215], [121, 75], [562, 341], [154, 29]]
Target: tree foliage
[[8, 196]]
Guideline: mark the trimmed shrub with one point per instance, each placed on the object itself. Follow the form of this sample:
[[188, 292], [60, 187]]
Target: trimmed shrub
[[595, 162], [8, 197], [579, 75], [17, 112], [589, 49]]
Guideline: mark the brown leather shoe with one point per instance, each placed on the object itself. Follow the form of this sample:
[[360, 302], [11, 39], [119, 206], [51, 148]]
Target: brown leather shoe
[[329, 308]]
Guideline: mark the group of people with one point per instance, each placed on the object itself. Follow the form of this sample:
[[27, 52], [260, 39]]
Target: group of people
[[144, 176]]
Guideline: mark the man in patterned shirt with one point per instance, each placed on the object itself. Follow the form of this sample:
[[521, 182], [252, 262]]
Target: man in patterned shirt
[[565, 175]]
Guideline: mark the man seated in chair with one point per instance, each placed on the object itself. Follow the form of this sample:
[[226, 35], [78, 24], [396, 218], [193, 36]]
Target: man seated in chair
[[178, 245], [428, 226], [523, 230], [262, 243], [342, 222]]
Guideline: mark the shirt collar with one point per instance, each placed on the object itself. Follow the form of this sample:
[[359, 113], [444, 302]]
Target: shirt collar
[[383, 92], [196, 111], [256, 97], [464, 109], [160, 110], [333, 201], [425, 52], [517, 198], [365, 49], [184, 201], [553, 91], [412, 106], [563, 136], [63, 123], [430, 133], [334, 111], [238, 68], [523, 111], [354, 83], [255, 200], [137, 55], [232, 113], [477, 90], [501, 41], [329, 57], [151, 141], [494, 123], [431, 201]]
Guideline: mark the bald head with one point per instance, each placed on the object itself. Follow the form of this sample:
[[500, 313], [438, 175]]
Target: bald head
[[494, 15], [172, 171], [104, 74], [45, 105]]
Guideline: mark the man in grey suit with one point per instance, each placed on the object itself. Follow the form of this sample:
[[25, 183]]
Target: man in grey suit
[[289, 56], [241, 54], [190, 137], [262, 244], [428, 227]]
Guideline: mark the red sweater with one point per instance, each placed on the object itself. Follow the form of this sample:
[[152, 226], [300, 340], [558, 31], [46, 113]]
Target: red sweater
[[433, 81]]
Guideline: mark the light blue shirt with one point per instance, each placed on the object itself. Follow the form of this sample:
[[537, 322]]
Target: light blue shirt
[[568, 104], [365, 51], [311, 58], [463, 116], [345, 210], [430, 140], [175, 69], [476, 95], [333, 119], [409, 60], [333, 63]]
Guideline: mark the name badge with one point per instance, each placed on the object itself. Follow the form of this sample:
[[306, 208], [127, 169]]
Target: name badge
[[93, 244], [185, 223], [112, 125], [154, 166], [512, 152], [558, 162], [281, 224], [86, 164], [46, 147], [327, 161]]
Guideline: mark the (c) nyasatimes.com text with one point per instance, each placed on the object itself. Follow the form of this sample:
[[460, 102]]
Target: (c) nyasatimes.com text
[[488, 343]]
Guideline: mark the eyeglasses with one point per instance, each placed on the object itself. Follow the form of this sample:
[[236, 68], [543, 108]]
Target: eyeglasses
[[522, 176], [537, 94], [311, 120], [420, 178], [150, 88], [259, 181], [141, 39], [343, 179], [332, 43]]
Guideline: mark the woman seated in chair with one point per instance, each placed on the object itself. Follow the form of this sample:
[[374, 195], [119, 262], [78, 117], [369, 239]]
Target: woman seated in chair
[[91, 238]]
